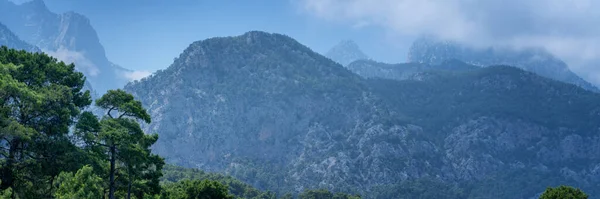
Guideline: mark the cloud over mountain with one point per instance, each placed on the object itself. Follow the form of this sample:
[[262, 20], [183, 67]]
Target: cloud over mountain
[[69, 56], [566, 28], [136, 75]]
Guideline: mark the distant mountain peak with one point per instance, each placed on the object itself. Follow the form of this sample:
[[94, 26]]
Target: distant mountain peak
[[346, 52], [429, 50], [36, 4], [68, 36], [348, 43]]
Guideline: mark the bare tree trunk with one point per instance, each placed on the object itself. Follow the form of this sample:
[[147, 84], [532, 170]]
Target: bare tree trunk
[[7, 172], [129, 186], [111, 192]]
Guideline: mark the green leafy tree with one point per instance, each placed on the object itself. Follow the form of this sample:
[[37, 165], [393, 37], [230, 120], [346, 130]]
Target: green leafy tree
[[287, 196], [345, 196], [39, 100], [324, 194], [119, 139], [6, 194], [143, 175], [563, 192], [83, 184], [205, 189]]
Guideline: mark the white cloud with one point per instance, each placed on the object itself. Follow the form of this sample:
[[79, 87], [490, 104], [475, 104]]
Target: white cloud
[[78, 58], [567, 28], [136, 75]]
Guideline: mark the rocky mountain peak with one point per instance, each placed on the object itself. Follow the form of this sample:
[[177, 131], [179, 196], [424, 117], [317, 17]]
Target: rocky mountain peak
[[346, 52], [38, 4], [68, 36]]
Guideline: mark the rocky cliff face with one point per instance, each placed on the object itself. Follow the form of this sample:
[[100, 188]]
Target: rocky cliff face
[[430, 51], [271, 112], [68, 36], [346, 52]]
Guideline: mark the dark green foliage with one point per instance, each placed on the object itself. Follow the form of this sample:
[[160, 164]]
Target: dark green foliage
[[121, 137], [196, 189], [418, 189], [124, 104], [83, 184], [287, 196], [172, 174], [39, 100], [316, 194], [563, 192], [324, 194]]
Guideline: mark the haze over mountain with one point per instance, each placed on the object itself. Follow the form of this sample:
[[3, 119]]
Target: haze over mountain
[[346, 52], [566, 29], [301, 121], [431, 51], [68, 37]]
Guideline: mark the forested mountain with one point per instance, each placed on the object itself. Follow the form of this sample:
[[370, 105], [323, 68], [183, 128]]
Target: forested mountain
[[67, 36], [51, 148], [269, 111], [432, 51], [346, 52]]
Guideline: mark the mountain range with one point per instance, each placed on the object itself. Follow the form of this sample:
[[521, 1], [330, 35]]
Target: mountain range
[[268, 110], [68, 36], [432, 51]]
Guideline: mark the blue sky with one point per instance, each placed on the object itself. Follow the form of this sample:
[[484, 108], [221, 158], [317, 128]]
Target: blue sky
[[148, 34]]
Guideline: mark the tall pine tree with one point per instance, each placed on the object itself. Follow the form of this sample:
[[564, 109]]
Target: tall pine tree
[[124, 143]]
